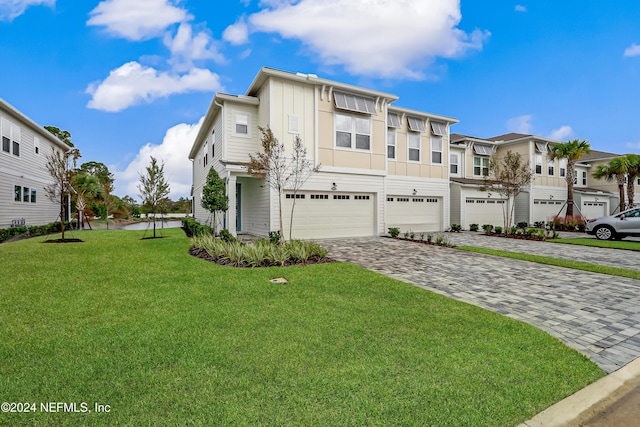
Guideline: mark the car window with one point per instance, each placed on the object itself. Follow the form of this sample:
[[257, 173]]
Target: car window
[[633, 214]]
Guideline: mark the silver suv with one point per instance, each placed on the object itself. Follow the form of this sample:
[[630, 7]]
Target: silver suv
[[619, 226]]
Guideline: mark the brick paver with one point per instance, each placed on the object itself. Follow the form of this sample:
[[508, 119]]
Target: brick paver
[[595, 314]]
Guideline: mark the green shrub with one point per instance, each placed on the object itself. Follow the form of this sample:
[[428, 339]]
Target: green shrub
[[473, 227], [498, 229], [456, 228], [514, 230], [488, 228], [522, 225], [227, 236], [32, 230], [412, 235], [193, 228], [394, 231], [275, 237]]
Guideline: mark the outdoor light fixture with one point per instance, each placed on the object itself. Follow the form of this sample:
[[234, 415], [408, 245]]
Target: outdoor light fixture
[[415, 191], [334, 187], [550, 196]]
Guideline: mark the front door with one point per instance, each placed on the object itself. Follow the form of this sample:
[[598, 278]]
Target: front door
[[238, 207]]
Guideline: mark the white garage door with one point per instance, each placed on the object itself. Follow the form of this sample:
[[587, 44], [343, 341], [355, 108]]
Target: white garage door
[[545, 210], [411, 213], [593, 209], [321, 215], [484, 211]]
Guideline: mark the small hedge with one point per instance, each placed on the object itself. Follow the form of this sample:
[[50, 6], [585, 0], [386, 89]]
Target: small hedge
[[193, 228], [31, 231]]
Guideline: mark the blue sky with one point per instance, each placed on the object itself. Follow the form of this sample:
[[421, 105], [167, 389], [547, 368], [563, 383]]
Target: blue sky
[[133, 78]]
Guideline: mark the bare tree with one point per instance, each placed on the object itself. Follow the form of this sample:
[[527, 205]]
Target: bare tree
[[153, 188], [508, 176], [62, 168], [300, 170]]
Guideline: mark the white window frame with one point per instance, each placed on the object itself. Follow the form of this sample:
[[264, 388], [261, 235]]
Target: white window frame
[[353, 132], [562, 168], [483, 164], [454, 160], [13, 133], [412, 138], [584, 178], [538, 165], [294, 124], [205, 150], [551, 167], [392, 142], [243, 119], [434, 142]]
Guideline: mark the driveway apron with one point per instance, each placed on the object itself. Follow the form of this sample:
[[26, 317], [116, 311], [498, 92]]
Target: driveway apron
[[595, 314]]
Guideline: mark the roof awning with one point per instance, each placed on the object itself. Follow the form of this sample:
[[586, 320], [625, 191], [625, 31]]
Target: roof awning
[[356, 103], [483, 150]]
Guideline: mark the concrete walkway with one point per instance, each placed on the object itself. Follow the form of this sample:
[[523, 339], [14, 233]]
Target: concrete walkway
[[595, 314]]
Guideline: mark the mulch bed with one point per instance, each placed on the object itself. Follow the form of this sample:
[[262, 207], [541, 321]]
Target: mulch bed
[[201, 253]]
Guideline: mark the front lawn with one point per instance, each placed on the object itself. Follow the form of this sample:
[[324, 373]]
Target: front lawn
[[164, 338], [612, 244]]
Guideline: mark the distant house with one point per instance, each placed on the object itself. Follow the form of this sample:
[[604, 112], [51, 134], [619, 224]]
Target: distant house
[[542, 200], [23, 173], [381, 165]]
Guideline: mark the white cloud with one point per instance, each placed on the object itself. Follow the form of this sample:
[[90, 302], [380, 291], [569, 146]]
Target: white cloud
[[384, 38], [237, 33], [633, 145], [562, 133], [11, 9], [633, 50], [136, 19], [520, 124], [186, 47], [133, 84], [520, 8], [173, 151]]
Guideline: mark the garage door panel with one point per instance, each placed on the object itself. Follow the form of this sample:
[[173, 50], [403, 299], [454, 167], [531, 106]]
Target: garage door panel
[[593, 209], [484, 211], [321, 215], [545, 210], [414, 213]]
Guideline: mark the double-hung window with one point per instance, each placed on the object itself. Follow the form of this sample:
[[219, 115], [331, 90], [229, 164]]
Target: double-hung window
[[551, 167], [391, 143], [413, 139], [10, 137], [563, 168], [353, 131], [481, 166], [454, 160], [584, 177], [436, 149], [538, 164], [241, 124]]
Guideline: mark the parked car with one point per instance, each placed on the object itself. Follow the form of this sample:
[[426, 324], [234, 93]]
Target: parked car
[[618, 226]]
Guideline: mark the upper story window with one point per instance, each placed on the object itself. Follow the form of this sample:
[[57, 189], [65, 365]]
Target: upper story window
[[241, 124], [538, 164], [213, 143], [438, 129], [416, 124], [483, 150], [413, 141], [563, 168], [10, 137], [359, 104], [391, 143], [393, 121], [206, 154], [353, 132], [481, 166], [584, 177], [454, 161], [36, 144], [551, 167], [293, 124], [436, 150]]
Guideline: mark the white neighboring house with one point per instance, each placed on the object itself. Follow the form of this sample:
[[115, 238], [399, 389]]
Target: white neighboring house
[[23, 173], [381, 166], [539, 202]]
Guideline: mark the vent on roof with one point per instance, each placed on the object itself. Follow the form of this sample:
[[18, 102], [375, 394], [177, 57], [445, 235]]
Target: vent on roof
[[439, 129], [483, 150], [416, 124], [392, 120], [356, 103]]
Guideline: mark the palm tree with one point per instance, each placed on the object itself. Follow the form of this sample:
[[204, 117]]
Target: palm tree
[[633, 171], [615, 169], [572, 151]]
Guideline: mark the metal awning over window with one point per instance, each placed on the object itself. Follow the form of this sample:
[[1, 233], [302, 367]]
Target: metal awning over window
[[438, 129], [483, 150], [541, 147], [356, 103], [392, 120], [416, 124]]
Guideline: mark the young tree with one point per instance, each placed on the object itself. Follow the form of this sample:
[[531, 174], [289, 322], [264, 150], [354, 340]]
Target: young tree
[[87, 187], [153, 188], [572, 151], [214, 196], [280, 172], [62, 168], [105, 178], [615, 169], [508, 176]]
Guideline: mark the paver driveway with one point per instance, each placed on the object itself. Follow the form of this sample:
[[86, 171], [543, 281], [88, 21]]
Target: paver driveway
[[596, 314]]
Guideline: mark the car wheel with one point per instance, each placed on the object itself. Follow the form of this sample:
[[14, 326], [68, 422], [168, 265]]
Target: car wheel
[[604, 233]]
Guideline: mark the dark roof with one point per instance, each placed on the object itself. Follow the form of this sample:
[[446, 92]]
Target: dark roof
[[509, 137], [469, 181], [597, 155]]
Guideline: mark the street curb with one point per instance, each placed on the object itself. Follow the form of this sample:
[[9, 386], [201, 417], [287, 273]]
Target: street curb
[[586, 402]]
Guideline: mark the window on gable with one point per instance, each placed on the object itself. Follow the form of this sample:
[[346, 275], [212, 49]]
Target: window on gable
[[391, 143], [353, 132], [242, 124], [393, 121], [481, 166], [453, 163], [436, 150], [413, 139], [538, 164], [359, 104], [438, 129], [416, 124]]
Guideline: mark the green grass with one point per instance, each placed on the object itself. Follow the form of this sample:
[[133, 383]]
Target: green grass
[[612, 244], [577, 265], [168, 339]]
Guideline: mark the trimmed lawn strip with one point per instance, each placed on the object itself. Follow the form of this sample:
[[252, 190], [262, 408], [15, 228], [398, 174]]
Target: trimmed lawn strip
[[611, 244], [166, 338], [558, 262]]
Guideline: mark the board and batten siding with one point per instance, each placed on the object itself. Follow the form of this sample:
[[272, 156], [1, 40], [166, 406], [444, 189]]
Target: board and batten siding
[[238, 147], [455, 204]]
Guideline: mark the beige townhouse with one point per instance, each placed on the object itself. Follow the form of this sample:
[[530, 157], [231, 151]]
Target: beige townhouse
[[381, 165]]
